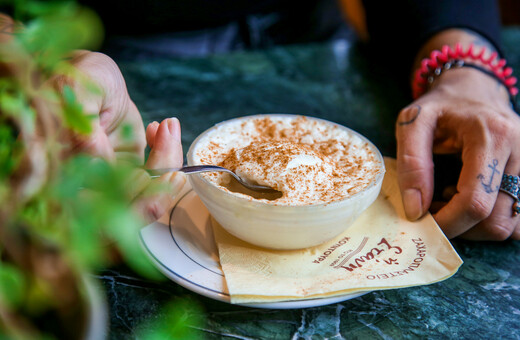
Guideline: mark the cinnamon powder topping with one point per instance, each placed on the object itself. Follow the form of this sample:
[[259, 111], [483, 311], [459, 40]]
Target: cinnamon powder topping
[[309, 161]]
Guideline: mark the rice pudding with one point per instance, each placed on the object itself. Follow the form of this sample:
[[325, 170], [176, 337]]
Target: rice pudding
[[309, 161]]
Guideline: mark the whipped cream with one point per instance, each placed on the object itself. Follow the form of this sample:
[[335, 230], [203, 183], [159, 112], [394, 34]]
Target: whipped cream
[[296, 170], [310, 161]]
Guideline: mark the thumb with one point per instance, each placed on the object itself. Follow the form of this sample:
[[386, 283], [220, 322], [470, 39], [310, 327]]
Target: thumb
[[414, 133]]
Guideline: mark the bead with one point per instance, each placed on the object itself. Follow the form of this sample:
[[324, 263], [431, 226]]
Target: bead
[[449, 57]]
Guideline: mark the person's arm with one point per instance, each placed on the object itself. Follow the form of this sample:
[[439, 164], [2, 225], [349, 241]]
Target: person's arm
[[398, 29], [465, 111]]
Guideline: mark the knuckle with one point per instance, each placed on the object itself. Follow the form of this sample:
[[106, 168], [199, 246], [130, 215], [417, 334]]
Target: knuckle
[[500, 124], [59, 82], [498, 130], [414, 165], [154, 210], [497, 229], [102, 59], [89, 57], [502, 130], [478, 207], [97, 64], [105, 74]]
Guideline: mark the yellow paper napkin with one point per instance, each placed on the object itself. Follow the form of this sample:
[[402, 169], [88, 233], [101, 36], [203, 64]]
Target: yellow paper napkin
[[381, 250]]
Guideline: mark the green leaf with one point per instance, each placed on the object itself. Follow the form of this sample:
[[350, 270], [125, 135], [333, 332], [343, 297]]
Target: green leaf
[[12, 285], [127, 133], [58, 29], [10, 150], [86, 246], [180, 319], [75, 117], [42, 8], [124, 229]]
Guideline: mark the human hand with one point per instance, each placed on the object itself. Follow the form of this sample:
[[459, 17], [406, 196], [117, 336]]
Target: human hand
[[164, 140], [97, 86], [117, 133], [114, 111], [465, 112]]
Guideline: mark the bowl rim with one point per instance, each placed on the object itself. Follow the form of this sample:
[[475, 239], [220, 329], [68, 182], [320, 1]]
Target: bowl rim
[[378, 178]]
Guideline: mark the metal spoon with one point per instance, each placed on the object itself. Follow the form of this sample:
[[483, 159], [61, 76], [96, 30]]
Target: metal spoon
[[207, 168]]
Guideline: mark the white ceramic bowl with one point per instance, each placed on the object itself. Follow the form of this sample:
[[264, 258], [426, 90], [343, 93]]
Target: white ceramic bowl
[[282, 226]]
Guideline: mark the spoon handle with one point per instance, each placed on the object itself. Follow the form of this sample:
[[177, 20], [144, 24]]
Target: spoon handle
[[186, 169], [204, 168]]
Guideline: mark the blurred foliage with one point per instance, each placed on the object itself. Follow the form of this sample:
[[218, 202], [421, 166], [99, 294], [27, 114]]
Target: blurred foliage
[[81, 208], [177, 315], [73, 112]]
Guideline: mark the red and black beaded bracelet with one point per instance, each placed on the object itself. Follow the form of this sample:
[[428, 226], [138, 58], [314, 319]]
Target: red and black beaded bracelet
[[448, 58]]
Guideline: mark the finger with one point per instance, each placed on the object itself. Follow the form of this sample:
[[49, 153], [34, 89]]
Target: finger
[[151, 130], [119, 116], [166, 153], [501, 224], [516, 233], [167, 148], [95, 144], [414, 132], [128, 138], [101, 90], [478, 184], [154, 207]]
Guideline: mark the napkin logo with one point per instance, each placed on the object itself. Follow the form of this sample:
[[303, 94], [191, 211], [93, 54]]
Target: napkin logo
[[350, 263], [414, 265], [331, 249]]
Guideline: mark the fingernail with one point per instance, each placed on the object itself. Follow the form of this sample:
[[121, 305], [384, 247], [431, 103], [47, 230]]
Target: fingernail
[[152, 124], [412, 204], [177, 181], [174, 127]]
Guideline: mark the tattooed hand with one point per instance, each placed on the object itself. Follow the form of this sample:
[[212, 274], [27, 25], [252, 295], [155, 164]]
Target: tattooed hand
[[465, 112]]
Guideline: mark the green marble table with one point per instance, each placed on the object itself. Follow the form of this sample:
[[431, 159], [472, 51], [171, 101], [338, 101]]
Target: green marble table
[[333, 81]]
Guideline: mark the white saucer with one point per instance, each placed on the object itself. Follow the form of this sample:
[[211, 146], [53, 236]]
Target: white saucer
[[185, 251]]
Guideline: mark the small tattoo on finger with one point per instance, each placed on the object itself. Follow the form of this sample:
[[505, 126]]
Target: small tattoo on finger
[[488, 184], [410, 120]]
